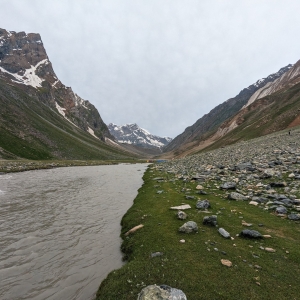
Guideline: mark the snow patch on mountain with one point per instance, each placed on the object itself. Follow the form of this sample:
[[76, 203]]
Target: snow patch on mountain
[[29, 77], [135, 135]]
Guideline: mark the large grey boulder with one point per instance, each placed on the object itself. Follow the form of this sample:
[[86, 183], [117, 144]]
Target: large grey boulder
[[189, 227], [163, 292], [237, 196], [203, 204]]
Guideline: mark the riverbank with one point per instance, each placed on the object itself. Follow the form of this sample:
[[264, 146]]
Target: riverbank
[[253, 185], [7, 166]]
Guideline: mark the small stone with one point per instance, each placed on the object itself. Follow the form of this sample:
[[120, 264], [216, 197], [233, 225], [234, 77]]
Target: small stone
[[267, 236], [182, 241], [224, 233], [155, 254], [270, 250], [246, 224], [181, 215], [253, 203], [181, 207], [226, 262], [199, 187]]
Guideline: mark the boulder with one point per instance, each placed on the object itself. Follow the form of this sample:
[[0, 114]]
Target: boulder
[[210, 220], [181, 215], [228, 186], [189, 227], [251, 234], [237, 196], [281, 210], [294, 217], [203, 204], [224, 233], [163, 292]]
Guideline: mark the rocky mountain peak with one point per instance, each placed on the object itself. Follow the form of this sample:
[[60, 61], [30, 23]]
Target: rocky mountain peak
[[24, 62], [135, 135]]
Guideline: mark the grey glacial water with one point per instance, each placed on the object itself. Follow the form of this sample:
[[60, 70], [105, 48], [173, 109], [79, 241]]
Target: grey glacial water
[[59, 229]]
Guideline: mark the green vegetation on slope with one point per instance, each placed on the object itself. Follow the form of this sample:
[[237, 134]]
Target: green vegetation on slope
[[195, 266], [32, 130]]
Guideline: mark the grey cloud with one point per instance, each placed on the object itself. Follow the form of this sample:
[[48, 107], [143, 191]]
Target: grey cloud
[[161, 64]]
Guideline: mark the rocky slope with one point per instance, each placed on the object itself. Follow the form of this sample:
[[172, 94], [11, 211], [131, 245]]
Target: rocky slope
[[209, 123], [134, 135], [38, 111]]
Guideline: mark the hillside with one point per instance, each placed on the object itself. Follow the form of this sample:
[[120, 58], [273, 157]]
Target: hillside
[[41, 118], [207, 125]]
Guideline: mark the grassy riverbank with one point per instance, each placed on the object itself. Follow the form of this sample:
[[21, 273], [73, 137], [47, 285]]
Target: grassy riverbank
[[8, 166], [195, 266]]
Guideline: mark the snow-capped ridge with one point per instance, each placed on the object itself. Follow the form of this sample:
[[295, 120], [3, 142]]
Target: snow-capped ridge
[[131, 133]]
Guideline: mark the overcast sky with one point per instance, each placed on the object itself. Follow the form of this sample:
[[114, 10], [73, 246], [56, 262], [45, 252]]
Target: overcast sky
[[162, 64]]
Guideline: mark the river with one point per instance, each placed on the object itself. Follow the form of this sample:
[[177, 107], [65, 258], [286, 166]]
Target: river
[[59, 229]]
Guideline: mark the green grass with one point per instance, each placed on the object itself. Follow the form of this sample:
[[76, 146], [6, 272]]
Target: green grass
[[195, 266]]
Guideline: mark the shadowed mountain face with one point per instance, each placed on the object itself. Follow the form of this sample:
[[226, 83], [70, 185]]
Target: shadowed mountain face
[[38, 112], [212, 126]]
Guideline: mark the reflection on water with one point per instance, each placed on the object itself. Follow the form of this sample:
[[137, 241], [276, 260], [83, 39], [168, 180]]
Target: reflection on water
[[59, 229]]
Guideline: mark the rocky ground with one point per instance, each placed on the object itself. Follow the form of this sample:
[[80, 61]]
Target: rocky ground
[[264, 171]]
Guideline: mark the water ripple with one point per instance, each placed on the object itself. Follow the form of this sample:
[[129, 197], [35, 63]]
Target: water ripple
[[59, 229]]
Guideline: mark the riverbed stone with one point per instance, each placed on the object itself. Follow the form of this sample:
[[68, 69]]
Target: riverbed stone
[[251, 234], [203, 204], [237, 196], [228, 186], [163, 292], [210, 220], [181, 215], [189, 227], [224, 233]]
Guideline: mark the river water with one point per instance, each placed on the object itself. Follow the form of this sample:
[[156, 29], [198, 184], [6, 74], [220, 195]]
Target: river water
[[59, 229]]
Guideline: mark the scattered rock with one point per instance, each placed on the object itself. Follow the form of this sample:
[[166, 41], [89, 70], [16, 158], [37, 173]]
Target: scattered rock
[[155, 254], [294, 217], [181, 207], [189, 227], [210, 220], [199, 187], [134, 229], [251, 234], [224, 233], [203, 204], [228, 186], [237, 196], [270, 250], [181, 215], [163, 292], [182, 241], [226, 262]]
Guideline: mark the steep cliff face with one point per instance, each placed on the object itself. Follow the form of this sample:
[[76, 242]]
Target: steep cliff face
[[24, 63], [200, 131], [41, 118]]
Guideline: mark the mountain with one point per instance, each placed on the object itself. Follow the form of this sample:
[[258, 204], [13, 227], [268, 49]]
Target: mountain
[[134, 135], [198, 136], [41, 118]]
